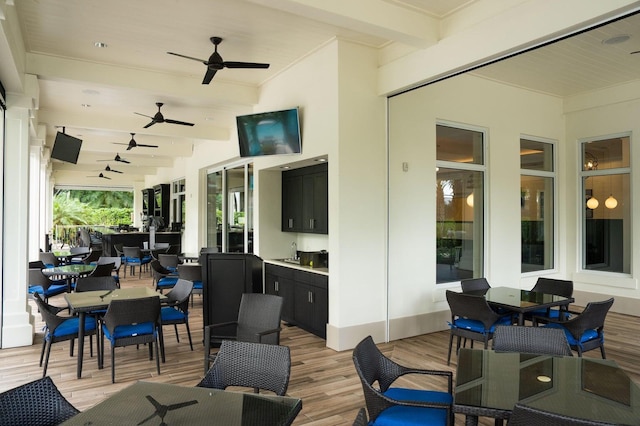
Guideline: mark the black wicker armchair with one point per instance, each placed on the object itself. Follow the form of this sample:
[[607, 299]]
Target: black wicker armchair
[[253, 365], [394, 405], [533, 340], [472, 318], [131, 322], [258, 321], [177, 311], [37, 403], [584, 331]]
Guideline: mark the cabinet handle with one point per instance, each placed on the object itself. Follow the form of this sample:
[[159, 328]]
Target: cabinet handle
[[312, 223], [290, 223], [310, 296], [277, 286]]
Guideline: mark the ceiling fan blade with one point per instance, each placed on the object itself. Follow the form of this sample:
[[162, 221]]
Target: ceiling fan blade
[[119, 143], [166, 120], [122, 160], [244, 65], [188, 57], [150, 124], [144, 115], [209, 76], [149, 146]]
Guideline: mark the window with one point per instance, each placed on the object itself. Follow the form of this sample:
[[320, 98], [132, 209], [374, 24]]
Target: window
[[178, 205], [537, 183], [460, 173], [606, 216], [230, 209]]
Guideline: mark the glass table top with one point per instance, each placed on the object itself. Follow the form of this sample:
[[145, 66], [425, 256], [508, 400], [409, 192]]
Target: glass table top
[[587, 388]]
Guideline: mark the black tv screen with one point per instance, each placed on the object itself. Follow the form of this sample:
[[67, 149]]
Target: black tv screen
[[269, 133], [66, 148]]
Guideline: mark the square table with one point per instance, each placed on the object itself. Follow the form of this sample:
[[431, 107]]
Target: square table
[[90, 301], [69, 272], [490, 383], [145, 403], [522, 301]]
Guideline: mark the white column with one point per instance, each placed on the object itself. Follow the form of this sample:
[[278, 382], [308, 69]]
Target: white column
[[17, 321], [36, 237]]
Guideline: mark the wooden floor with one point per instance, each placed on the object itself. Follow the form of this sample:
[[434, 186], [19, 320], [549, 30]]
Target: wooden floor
[[324, 379]]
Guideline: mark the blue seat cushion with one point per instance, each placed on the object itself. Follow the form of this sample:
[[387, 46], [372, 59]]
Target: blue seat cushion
[[478, 326], [167, 282], [586, 336], [133, 260], [400, 415], [197, 285], [51, 291], [171, 314], [404, 394], [70, 327], [553, 313], [129, 330]]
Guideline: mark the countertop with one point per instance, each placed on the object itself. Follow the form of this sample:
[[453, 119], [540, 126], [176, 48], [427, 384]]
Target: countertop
[[321, 271]]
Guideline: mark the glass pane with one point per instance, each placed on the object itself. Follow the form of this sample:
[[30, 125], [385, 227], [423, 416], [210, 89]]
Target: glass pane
[[536, 155], [235, 210], [214, 210], [536, 203], [459, 220], [459, 145], [605, 154], [607, 223]]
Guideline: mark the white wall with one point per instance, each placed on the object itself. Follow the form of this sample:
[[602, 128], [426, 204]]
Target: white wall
[[506, 113]]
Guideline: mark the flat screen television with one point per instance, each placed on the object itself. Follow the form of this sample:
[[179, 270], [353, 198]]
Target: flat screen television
[[66, 148], [269, 133]]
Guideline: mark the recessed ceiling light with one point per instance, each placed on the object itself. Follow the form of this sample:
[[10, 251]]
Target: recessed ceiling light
[[100, 44], [86, 106], [617, 39], [321, 160], [285, 167]]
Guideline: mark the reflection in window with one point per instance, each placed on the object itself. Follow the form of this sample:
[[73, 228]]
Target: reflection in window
[[230, 209], [459, 204], [606, 212], [536, 205]]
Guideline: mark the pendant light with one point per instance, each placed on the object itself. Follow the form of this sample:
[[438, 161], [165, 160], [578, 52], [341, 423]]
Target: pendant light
[[593, 203], [610, 203]]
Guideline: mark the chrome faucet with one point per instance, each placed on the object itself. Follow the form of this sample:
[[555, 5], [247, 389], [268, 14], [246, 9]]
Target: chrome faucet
[[294, 251]]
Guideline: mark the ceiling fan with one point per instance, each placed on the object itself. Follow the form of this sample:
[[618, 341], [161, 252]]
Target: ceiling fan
[[101, 176], [109, 169], [118, 158], [159, 118], [215, 62], [132, 143]]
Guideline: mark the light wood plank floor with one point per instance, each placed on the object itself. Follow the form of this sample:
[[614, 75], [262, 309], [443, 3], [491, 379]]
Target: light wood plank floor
[[324, 379]]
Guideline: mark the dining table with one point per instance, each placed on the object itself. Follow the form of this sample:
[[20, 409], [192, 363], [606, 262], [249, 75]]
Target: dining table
[[521, 301], [489, 384], [86, 302], [69, 272], [148, 403]]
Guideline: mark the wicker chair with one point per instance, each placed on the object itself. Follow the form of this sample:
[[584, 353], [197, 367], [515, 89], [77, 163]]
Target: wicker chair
[[103, 270], [475, 285], [117, 264], [39, 283], [254, 365], [49, 259], [92, 283], [60, 329], [93, 256], [472, 318], [37, 403], [178, 310], [562, 288], [584, 331], [391, 405], [523, 415], [193, 273], [533, 340], [132, 258], [361, 418], [162, 277], [258, 321], [131, 322], [169, 261]]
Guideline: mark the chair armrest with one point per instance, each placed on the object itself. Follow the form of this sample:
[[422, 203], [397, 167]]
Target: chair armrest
[[261, 334], [447, 374]]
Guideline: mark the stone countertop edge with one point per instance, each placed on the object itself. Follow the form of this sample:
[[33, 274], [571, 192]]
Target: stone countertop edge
[[321, 271]]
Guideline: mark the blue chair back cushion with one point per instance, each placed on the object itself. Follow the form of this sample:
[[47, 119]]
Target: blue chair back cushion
[[171, 314], [478, 326], [129, 330], [70, 327]]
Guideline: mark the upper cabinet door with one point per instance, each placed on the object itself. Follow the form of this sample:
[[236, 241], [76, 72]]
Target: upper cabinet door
[[305, 195]]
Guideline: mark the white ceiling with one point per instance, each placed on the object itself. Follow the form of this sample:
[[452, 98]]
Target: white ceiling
[[134, 71]]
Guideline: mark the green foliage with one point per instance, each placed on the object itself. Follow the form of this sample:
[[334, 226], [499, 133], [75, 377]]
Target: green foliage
[[92, 207], [67, 210], [99, 199]]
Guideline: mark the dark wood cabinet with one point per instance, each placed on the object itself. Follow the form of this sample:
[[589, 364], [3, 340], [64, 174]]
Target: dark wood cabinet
[[305, 199], [225, 277], [306, 297], [147, 201], [279, 281]]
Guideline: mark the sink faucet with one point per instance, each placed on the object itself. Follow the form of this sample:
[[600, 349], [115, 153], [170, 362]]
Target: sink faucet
[[294, 251]]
